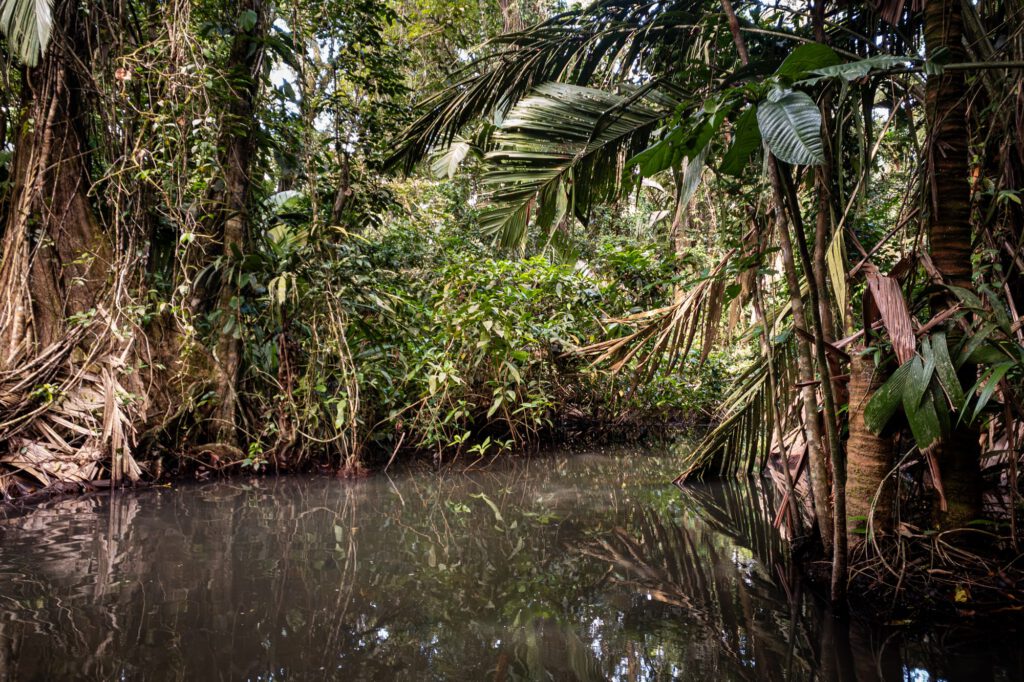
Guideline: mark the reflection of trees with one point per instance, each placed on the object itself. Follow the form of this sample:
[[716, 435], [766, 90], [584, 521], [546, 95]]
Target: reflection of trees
[[448, 576], [710, 565]]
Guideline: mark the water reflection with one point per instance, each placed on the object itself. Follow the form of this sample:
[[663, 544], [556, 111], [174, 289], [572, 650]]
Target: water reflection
[[577, 568]]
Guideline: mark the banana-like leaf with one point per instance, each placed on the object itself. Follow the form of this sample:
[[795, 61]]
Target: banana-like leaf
[[27, 25], [790, 124]]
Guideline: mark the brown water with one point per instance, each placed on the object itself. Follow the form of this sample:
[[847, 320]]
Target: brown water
[[585, 567]]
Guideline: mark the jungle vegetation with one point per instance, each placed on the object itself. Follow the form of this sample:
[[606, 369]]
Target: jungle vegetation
[[328, 233]]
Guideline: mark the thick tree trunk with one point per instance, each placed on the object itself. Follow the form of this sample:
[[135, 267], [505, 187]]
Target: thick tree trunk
[[949, 230], [56, 258], [869, 458], [238, 148]]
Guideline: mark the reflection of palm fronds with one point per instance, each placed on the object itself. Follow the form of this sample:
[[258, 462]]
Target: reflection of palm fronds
[[740, 511], [674, 565]]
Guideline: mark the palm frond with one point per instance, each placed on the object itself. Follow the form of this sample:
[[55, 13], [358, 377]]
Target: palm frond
[[561, 149], [607, 41], [741, 441], [667, 334], [27, 25]]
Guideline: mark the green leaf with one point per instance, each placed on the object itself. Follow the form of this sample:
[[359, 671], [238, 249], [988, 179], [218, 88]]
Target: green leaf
[[967, 297], [917, 384], [806, 58], [747, 139], [27, 25], [791, 126], [924, 423], [994, 375], [973, 342], [682, 142], [247, 20], [986, 354], [946, 372], [858, 69], [887, 399]]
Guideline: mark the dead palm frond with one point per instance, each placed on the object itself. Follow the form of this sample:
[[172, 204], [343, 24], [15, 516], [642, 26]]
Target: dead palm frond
[[741, 441], [665, 335]]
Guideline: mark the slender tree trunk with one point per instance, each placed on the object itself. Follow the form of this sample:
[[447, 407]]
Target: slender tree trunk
[[949, 231], [238, 148], [824, 328], [819, 474]]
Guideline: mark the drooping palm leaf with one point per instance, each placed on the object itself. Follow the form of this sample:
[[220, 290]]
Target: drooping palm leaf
[[608, 40], [563, 146], [26, 24], [741, 441], [666, 334]]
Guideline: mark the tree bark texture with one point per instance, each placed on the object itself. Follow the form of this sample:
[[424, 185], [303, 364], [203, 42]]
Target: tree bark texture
[[949, 232], [56, 259], [869, 458]]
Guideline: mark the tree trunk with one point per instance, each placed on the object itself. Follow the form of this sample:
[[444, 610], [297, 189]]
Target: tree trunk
[[818, 469], [56, 258], [869, 458], [238, 148], [949, 231]]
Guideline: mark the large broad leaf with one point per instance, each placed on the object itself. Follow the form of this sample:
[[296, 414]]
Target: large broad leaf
[[791, 125], [27, 24], [806, 58], [747, 138]]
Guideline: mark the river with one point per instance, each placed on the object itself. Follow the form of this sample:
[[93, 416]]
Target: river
[[565, 567]]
